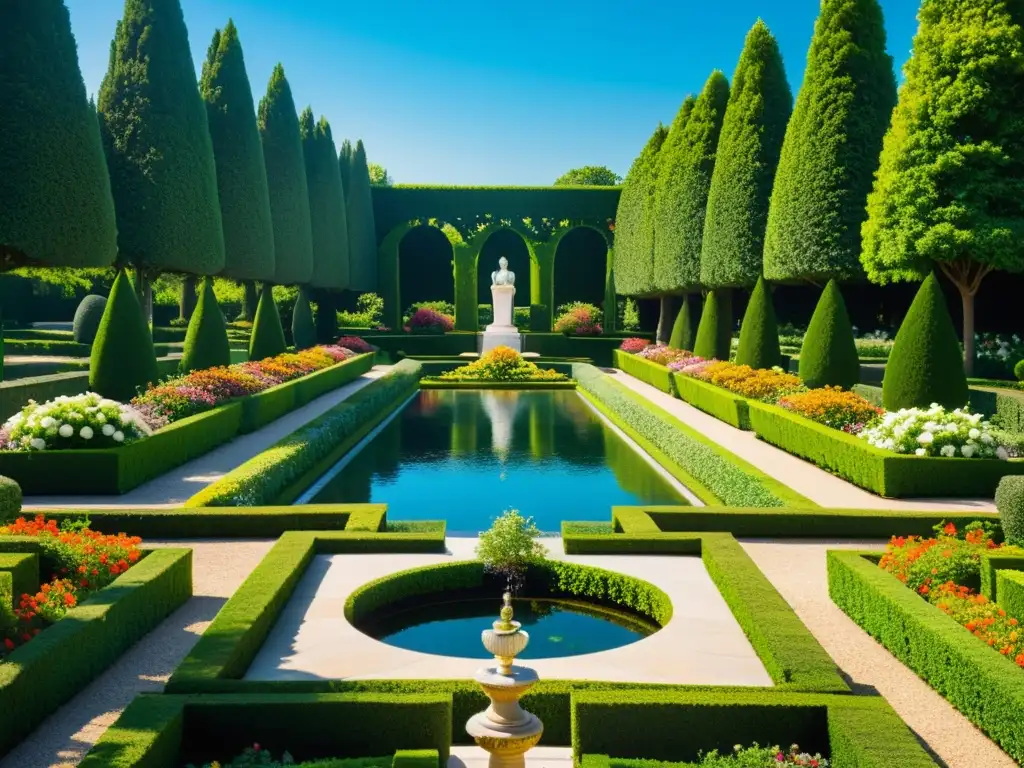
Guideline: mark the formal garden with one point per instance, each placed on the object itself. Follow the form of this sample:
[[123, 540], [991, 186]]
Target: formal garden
[[721, 466]]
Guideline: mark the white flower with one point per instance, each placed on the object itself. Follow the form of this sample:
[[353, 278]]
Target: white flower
[[47, 422], [118, 436], [86, 433], [1002, 454], [974, 434], [967, 450], [920, 452], [925, 438], [986, 438], [38, 443], [100, 418], [66, 430], [951, 428], [948, 450], [108, 430]]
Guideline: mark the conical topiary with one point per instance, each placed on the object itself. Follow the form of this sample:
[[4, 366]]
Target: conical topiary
[[267, 337], [684, 330], [759, 334], [122, 358], [714, 335], [303, 328], [828, 356], [206, 343], [925, 365]]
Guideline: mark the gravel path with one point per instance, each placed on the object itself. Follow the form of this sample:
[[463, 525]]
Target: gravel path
[[802, 476], [218, 568], [797, 569]]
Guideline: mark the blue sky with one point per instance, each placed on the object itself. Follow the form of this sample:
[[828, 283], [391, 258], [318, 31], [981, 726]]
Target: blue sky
[[460, 92]]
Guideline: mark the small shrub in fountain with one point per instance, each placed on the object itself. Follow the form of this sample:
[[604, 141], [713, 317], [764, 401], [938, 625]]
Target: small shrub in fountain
[[502, 364], [1010, 503], [510, 547], [87, 318]]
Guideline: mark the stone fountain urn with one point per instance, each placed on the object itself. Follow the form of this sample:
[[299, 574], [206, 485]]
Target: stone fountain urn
[[505, 730]]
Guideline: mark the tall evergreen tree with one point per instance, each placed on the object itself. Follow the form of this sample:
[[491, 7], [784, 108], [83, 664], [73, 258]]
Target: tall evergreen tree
[[685, 166], [362, 232], [633, 256], [831, 147], [950, 189], [241, 172], [286, 181], [345, 165], [158, 147], [760, 104], [55, 201], [326, 204]]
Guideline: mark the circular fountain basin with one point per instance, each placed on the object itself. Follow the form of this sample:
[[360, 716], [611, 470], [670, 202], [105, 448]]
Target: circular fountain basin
[[557, 627]]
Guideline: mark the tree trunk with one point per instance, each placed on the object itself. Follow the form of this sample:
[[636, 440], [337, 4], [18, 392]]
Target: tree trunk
[[666, 319], [249, 300], [326, 318], [187, 302], [966, 275], [144, 293]]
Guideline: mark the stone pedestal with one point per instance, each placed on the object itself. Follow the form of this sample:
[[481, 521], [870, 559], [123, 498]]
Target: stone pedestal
[[502, 332], [505, 729]]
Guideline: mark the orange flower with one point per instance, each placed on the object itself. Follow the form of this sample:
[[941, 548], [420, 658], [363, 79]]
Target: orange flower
[[949, 530]]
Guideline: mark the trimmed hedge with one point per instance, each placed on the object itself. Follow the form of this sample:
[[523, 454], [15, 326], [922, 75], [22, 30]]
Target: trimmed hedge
[[165, 731], [1010, 588], [119, 470], [879, 471], [282, 472], [554, 578], [40, 676], [719, 402], [229, 522], [984, 685], [10, 498], [649, 372], [1010, 503], [991, 564], [236, 635], [491, 385], [23, 568], [861, 731], [711, 472]]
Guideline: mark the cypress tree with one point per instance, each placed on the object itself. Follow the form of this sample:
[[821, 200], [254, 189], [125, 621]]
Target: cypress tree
[[633, 256], [122, 359], [267, 337], [238, 153], [950, 189], [684, 330], [748, 153], [362, 232], [714, 335], [55, 202], [828, 356], [158, 147], [759, 334], [303, 328], [925, 363], [286, 182], [345, 166], [326, 204], [831, 147], [206, 342], [685, 166]]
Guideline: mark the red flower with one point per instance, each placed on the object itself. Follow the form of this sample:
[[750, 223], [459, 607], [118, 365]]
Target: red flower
[[949, 530], [8, 644]]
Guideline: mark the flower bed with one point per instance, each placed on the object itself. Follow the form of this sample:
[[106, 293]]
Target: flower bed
[[919, 600], [502, 364], [71, 422], [579, 319], [426, 320], [99, 595], [117, 470], [833, 407]]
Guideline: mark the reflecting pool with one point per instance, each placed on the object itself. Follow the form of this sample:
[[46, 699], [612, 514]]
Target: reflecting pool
[[557, 627], [466, 456]]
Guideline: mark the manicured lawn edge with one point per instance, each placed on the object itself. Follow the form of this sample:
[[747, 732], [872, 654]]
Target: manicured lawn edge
[[232, 641], [119, 470], [788, 522], [882, 472], [40, 676], [527, 385], [281, 473], [226, 522], [984, 685], [158, 731], [714, 474], [861, 731]]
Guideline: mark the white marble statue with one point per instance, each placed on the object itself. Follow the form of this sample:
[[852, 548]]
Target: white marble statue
[[503, 276]]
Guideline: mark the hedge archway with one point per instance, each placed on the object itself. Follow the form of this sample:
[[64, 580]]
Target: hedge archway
[[582, 260], [426, 267]]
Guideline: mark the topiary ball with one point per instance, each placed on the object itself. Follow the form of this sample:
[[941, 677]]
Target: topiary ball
[[87, 318], [1018, 370], [1010, 503]]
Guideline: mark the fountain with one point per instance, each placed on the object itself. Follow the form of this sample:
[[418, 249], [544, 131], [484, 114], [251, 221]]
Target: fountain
[[505, 730]]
